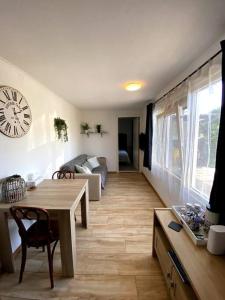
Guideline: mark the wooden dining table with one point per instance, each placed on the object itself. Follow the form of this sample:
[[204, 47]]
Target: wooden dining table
[[61, 198]]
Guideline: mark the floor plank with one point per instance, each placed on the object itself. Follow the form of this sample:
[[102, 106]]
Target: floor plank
[[114, 259], [151, 287]]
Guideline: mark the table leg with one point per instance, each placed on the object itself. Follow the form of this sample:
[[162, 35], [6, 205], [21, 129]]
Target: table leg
[[6, 256], [85, 208], [67, 236]]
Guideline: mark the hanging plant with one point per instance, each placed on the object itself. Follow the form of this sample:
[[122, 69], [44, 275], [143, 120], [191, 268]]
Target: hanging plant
[[61, 129], [84, 127]]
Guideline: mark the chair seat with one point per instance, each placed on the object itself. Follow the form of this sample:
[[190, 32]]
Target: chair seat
[[37, 233]]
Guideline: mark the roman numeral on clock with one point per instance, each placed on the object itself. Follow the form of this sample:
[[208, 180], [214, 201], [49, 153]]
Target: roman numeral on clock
[[2, 118], [15, 130], [8, 127], [6, 95], [25, 122], [14, 95], [25, 107]]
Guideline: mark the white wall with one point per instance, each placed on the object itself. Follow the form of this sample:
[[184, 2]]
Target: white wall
[[168, 196], [38, 151], [108, 144]]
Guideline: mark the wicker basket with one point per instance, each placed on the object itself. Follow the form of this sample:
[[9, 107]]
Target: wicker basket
[[13, 189]]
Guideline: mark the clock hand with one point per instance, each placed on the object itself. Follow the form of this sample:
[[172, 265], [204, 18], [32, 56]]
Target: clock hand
[[15, 115], [16, 112]]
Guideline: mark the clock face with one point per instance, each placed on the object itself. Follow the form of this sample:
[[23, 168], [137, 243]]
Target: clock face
[[15, 113]]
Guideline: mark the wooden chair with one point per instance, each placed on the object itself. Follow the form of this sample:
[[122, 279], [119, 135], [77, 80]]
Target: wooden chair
[[63, 175], [40, 234]]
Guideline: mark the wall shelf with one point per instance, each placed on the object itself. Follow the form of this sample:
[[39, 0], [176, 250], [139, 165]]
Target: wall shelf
[[93, 132]]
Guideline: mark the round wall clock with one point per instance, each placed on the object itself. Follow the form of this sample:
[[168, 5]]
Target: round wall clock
[[15, 113]]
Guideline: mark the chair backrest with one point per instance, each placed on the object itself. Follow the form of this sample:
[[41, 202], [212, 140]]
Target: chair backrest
[[20, 213], [63, 175]]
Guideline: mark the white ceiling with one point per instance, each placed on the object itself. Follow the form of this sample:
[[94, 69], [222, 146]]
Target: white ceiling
[[84, 50]]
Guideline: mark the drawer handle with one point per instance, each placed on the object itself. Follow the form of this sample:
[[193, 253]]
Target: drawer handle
[[178, 267], [168, 275]]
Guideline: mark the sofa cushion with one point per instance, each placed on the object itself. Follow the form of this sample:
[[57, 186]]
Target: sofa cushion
[[83, 169], [93, 161], [88, 165]]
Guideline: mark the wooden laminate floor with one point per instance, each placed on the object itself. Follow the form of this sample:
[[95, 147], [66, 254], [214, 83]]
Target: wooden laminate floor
[[114, 259]]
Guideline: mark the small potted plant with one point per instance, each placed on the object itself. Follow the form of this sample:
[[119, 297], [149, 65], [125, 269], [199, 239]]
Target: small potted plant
[[98, 128], [84, 127]]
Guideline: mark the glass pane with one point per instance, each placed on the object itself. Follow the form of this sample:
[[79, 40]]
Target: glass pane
[[173, 161], [159, 140], [208, 118], [184, 120]]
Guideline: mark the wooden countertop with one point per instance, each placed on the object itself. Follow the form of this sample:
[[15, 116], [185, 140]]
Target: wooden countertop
[[205, 271]]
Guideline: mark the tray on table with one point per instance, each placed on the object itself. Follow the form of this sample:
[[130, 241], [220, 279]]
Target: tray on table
[[192, 234]]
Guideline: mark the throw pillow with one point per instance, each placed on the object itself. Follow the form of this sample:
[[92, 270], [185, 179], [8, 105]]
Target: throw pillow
[[83, 170], [93, 161], [87, 164], [87, 170]]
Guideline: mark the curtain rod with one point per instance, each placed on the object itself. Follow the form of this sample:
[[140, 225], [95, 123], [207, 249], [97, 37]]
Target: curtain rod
[[195, 71]]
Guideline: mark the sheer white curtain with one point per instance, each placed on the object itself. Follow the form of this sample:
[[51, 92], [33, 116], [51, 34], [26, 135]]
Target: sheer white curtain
[[167, 154], [203, 114], [184, 138]]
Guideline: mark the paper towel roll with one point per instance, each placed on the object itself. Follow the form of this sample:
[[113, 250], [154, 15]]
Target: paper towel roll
[[216, 240]]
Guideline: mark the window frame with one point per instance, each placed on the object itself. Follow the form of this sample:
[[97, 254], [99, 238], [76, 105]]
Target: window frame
[[171, 113], [159, 141], [164, 139]]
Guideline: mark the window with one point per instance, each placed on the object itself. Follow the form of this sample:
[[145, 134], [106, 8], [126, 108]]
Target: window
[[186, 126], [173, 153], [208, 106], [159, 140], [183, 113]]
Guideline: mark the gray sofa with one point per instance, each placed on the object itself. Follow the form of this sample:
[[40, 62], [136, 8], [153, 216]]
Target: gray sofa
[[96, 180]]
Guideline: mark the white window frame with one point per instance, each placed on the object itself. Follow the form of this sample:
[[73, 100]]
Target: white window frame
[[176, 113], [164, 158]]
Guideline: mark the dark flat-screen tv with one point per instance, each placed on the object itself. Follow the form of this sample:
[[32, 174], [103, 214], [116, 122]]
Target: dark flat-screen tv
[[142, 139]]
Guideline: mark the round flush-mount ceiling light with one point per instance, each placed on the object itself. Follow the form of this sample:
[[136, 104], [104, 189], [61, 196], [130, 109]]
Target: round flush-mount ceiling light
[[133, 86]]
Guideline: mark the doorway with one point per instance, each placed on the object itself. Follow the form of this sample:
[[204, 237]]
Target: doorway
[[128, 144]]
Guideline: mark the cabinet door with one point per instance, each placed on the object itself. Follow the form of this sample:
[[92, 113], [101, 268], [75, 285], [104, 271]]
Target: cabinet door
[[180, 290], [161, 247]]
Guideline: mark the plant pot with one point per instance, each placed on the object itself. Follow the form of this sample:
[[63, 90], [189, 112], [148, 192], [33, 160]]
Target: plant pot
[[98, 128]]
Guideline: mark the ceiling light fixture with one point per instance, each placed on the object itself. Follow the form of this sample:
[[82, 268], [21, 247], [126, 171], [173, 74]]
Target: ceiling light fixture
[[133, 86]]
